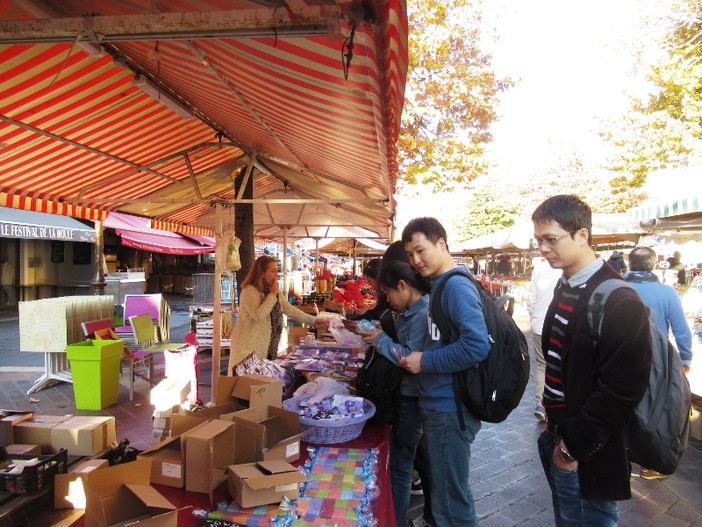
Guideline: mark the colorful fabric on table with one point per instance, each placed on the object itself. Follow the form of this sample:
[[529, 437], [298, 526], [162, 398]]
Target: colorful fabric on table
[[341, 488]]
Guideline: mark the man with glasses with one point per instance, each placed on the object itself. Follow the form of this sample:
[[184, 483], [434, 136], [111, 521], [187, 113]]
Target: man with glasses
[[590, 393]]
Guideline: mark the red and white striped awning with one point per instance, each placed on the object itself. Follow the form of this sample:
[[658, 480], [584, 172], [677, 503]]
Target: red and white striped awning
[[274, 96]]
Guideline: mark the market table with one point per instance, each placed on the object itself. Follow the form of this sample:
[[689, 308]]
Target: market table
[[373, 436]]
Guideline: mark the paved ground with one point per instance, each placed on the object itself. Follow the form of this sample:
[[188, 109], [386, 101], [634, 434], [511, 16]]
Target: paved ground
[[506, 476]]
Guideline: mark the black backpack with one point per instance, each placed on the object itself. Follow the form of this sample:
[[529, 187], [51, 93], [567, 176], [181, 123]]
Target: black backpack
[[492, 388], [379, 382], [656, 437]]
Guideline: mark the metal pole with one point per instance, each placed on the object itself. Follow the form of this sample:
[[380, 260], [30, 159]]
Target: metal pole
[[99, 282], [217, 307]]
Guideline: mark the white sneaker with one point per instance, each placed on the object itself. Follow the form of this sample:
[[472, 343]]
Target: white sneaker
[[419, 522], [416, 488]]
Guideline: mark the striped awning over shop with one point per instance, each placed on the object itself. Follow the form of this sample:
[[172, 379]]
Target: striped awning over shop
[[679, 207], [163, 109], [136, 232]]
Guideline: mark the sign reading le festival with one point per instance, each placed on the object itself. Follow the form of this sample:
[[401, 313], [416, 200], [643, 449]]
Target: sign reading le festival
[[14, 230]]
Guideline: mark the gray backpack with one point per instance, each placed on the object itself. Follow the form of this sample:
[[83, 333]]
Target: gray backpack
[[656, 436]]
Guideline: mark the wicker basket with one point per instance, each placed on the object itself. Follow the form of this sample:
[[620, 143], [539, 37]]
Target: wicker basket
[[327, 431]]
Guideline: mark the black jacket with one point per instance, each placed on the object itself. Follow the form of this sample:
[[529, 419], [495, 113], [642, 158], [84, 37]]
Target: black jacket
[[617, 262], [602, 388]]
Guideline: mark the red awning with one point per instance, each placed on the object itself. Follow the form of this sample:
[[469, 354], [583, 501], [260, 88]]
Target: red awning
[[204, 240], [158, 243], [136, 232]]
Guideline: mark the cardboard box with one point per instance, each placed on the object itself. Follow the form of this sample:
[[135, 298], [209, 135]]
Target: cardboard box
[[37, 431], [255, 484], [69, 492], [297, 334], [8, 421], [84, 435], [170, 392], [122, 494], [240, 392], [23, 450], [210, 449], [168, 459], [276, 431]]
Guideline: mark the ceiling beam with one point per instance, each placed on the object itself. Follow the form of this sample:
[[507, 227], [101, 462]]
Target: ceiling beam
[[253, 201], [305, 21]]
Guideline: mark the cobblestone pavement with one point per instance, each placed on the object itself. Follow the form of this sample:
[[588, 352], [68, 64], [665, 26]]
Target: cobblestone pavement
[[506, 476]]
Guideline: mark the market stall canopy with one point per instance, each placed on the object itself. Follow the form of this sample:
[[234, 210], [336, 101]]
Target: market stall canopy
[[347, 246], [136, 232], [154, 108], [676, 218], [606, 229], [38, 226]]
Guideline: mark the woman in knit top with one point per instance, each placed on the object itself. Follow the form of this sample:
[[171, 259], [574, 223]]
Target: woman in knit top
[[262, 305]]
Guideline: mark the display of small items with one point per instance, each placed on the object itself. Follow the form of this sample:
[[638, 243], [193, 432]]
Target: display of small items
[[331, 359], [336, 407]]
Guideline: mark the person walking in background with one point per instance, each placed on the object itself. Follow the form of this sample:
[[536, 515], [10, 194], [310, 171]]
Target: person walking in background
[[543, 281], [616, 260], [504, 266], [666, 304], [406, 293], [589, 394], [448, 443], [260, 322], [675, 264]]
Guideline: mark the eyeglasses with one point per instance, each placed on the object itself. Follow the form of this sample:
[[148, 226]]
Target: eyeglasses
[[548, 241]]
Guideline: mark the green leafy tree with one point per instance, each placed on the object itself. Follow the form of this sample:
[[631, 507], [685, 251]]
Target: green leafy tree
[[450, 95], [665, 129]]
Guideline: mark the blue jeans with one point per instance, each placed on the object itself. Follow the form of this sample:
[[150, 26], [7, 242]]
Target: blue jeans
[[449, 459], [406, 448], [569, 508]]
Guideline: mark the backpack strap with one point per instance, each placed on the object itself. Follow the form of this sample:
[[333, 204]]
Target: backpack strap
[[437, 313], [596, 303], [442, 322]]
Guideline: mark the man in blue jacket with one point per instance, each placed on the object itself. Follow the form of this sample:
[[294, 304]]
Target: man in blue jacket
[[590, 394], [448, 444]]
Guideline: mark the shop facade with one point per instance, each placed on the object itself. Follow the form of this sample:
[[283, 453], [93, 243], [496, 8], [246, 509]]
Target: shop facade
[[44, 256]]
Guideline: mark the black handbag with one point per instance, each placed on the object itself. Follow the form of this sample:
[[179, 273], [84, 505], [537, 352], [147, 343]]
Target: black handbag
[[379, 381]]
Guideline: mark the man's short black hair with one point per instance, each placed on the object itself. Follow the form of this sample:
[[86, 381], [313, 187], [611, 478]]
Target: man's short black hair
[[429, 227], [642, 259], [568, 210]]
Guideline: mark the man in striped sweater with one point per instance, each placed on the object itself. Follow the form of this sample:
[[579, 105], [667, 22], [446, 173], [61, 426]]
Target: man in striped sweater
[[589, 394]]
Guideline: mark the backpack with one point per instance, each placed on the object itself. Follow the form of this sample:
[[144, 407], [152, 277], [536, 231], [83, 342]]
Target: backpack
[[492, 388], [379, 382], [656, 436]]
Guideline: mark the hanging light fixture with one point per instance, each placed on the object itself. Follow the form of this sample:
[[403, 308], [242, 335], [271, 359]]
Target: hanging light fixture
[[164, 98]]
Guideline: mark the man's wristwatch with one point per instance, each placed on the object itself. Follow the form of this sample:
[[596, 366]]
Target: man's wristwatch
[[565, 455]]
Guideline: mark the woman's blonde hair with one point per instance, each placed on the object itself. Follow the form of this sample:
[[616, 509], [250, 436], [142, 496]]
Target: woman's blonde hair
[[255, 276]]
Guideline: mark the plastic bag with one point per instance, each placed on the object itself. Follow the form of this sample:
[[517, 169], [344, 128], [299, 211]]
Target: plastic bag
[[321, 388], [343, 336]]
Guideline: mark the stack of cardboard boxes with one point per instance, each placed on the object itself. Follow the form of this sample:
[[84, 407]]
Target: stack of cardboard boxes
[[245, 425], [244, 438]]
